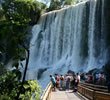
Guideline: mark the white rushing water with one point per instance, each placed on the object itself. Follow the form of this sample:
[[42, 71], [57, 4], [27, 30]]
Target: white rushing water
[[67, 40], [92, 60]]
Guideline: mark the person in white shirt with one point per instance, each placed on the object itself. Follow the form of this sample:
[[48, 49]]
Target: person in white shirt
[[77, 80]]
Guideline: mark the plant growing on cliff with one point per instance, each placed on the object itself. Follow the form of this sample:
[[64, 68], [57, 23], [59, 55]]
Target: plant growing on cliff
[[58, 4]]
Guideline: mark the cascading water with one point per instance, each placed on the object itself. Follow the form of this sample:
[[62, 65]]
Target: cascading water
[[68, 39], [91, 61]]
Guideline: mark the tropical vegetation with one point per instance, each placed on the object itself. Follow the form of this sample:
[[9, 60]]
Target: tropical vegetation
[[16, 19]]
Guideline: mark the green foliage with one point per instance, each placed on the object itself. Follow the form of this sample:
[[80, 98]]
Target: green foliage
[[10, 83], [32, 91], [22, 11], [19, 14], [58, 4], [12, 32], [1, 13]]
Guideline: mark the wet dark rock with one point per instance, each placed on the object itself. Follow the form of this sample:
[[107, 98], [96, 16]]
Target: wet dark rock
[[96, 70], [70, 71], [40, 72], [107, 71]]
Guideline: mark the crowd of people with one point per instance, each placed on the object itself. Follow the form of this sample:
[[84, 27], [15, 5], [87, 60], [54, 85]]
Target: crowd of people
[[96, 78], [71, 80], [65, 82]]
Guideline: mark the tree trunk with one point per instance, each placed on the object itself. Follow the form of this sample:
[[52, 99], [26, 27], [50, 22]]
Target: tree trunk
[[26, 65]]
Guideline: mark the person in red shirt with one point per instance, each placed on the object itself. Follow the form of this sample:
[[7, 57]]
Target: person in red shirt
[[57, 80]]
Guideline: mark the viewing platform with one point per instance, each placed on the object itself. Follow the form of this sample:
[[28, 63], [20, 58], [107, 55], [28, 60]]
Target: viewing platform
[[65, 95], [85, 92]]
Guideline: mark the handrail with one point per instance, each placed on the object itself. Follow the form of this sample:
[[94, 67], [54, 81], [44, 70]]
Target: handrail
[[93, 92], [46, 93], [96, 88], [93, 85]]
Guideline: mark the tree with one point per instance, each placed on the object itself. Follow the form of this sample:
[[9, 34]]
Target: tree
[[22, 10], [1, 13], [10, 87], [19, 14], [58, 4]]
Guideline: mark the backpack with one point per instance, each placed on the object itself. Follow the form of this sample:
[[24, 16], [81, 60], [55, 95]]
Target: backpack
[[61, 78], [68, 79]]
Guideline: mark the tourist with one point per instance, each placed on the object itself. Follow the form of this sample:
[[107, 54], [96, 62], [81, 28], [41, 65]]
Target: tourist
[[57, 80], [86, 77], [108, 85], [82, 78], [97, 77], [68, 78], [53, 81], [90, 78], [61, 81], [77, 80], [73, 80]]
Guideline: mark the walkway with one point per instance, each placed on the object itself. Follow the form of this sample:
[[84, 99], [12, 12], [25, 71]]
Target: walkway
[[65, 95]]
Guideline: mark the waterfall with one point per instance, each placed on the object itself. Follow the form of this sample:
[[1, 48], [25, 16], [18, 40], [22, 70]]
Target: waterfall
[[91, 33], [68, 39]]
